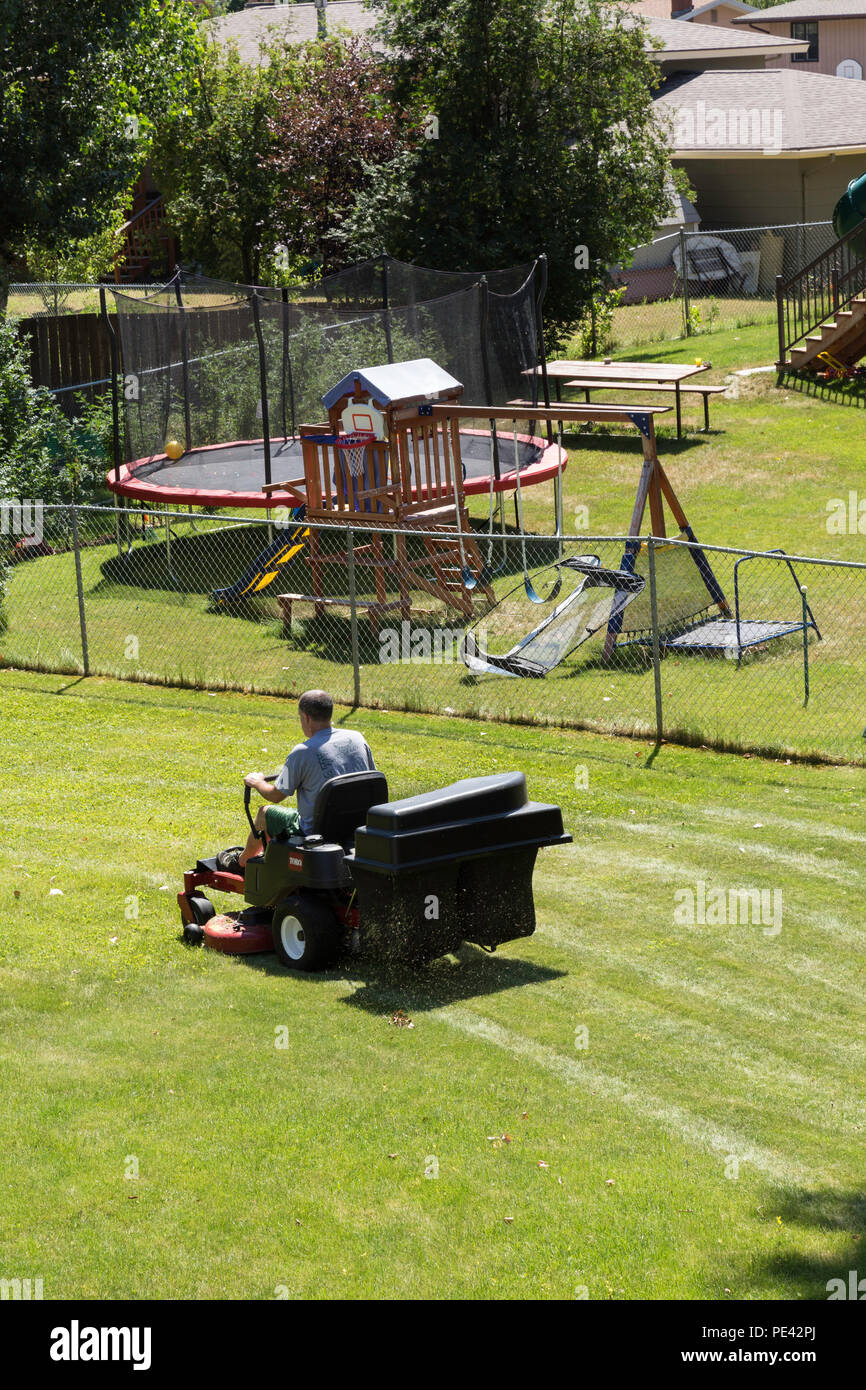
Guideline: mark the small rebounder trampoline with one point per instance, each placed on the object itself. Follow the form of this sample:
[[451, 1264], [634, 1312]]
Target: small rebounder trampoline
[[688, 592]]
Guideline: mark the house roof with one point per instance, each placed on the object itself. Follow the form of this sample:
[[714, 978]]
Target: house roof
[[661, 9], [797, 113], [806, 9], [703, 41], [720, 5], [395, 382], [299, 23]]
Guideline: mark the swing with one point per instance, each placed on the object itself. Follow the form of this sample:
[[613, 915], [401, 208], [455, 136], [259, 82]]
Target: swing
[[598, 594], [531, 593], [487, 572]]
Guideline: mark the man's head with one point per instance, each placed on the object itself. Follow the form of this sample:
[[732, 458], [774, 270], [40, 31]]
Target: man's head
[[316, 709]]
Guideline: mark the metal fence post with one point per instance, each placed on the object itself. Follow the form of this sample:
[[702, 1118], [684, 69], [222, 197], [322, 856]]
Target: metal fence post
[[805, 645], [353, 609], [684, 277], [82, 619], [654, 616]]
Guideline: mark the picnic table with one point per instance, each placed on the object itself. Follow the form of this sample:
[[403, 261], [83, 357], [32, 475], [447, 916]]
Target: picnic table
[[669, 377]]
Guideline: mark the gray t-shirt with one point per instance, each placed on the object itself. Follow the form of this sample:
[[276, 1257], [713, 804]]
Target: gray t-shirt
[[326, 754]]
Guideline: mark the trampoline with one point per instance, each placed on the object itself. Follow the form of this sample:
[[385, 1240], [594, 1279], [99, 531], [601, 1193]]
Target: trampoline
[[232, 475]]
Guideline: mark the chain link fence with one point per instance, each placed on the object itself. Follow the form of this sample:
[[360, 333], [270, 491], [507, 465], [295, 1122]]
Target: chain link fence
[[698, 281], [50, 299], [729, 648]]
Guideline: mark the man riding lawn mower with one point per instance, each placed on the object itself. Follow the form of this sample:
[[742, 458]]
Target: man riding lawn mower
[[400, 881]]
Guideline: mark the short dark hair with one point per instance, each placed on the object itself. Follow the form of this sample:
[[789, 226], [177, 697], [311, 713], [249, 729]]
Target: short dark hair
[[317, 705]]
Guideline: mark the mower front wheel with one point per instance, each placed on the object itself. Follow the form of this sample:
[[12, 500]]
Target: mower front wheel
[[202, 910], [306, 933]]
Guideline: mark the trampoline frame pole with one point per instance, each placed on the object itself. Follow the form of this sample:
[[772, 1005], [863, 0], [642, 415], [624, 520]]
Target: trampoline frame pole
[[539, 340], [184, 350], [485, 367], [115, 399], [263, 379], [120, 509], [288, 379], [386, 307]]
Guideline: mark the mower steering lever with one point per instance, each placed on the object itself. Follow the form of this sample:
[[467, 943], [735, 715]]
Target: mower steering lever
[[272, 777]]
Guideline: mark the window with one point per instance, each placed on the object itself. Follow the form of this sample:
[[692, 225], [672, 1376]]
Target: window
[[808, 30], [849, 67]]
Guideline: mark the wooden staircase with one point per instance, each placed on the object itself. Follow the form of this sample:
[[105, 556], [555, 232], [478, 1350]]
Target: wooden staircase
[[844, 336], [147, 245], [822, 308]]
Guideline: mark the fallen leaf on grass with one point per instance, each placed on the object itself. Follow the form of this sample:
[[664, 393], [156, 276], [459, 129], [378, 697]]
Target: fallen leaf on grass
[[401, 1019]]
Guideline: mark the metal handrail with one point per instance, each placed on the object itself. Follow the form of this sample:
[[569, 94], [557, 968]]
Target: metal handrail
[[822, 287]]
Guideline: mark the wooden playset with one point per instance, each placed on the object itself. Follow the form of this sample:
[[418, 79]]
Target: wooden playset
[[384, 460]]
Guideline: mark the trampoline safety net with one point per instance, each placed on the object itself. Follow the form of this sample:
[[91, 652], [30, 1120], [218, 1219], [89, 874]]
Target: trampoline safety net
[[207, 362]]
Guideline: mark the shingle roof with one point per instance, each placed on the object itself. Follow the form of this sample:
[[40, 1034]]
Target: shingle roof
[[809, 111], [806, 9], [298, 22], [678, 37]]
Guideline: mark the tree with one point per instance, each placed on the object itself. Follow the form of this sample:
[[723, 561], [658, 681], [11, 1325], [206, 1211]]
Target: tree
[[334, 127], [259, 170], [81, 82], [211, 161], [541, 137]]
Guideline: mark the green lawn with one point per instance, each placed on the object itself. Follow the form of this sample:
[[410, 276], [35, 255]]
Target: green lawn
[[635, 325], [707, 1143]]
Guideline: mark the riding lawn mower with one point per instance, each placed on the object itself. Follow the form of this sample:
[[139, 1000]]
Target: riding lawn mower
[[400, 881]]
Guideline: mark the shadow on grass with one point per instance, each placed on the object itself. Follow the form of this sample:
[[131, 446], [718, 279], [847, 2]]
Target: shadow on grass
[[824, 1210], [381, 988], [850, 393]]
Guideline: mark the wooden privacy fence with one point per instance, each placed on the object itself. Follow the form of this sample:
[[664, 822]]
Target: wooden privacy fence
[[70, 354]]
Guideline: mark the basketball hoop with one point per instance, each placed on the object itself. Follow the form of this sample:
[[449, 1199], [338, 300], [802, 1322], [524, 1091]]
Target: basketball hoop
[[354, 449]]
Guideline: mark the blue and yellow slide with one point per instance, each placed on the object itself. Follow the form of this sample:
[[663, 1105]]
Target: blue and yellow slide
[[267, 566]]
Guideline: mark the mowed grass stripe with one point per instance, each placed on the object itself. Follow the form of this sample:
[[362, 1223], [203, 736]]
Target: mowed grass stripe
[[693, 1129]]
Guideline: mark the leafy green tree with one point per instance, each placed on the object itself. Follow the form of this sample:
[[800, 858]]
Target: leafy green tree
[[81, 82], [334, 126], [541, 137], [259, 171], [211, 162], [44, 455]]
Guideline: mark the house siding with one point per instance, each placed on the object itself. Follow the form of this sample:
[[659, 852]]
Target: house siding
[[736, 59], [838, 39], [769, 192], [724, 21]]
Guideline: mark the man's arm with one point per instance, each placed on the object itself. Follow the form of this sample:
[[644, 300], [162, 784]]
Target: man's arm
[[266, 790]]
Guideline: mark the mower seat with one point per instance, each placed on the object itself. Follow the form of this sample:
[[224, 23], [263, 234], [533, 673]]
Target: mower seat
[[342, 805]]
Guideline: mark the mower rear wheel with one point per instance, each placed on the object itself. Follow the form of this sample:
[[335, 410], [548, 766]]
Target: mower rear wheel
[[202, 910], [306, 933]]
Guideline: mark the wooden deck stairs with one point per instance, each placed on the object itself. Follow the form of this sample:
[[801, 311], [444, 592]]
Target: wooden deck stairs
[[822, 308]]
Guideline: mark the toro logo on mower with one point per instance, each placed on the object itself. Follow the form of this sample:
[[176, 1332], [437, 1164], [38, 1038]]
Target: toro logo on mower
[[296, 862]]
